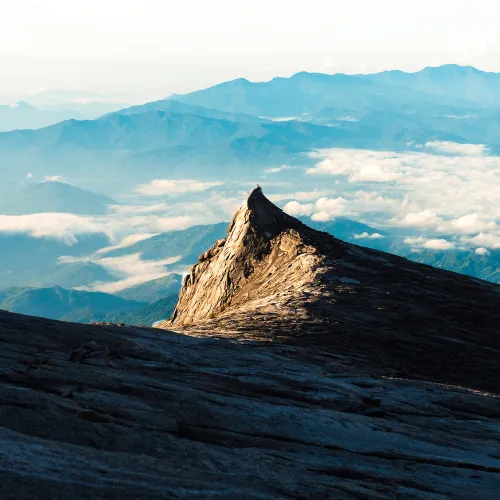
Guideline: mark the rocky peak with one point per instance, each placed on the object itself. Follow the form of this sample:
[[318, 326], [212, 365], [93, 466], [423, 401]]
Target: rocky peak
[[266, 256]]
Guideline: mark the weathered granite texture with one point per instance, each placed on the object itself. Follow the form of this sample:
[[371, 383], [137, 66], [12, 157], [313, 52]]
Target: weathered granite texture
[[182, 417]]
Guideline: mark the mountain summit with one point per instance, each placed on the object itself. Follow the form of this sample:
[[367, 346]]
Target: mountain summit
[[275, 278], [267, 259]]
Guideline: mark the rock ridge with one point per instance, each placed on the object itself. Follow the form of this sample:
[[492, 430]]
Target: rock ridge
[[266, 258]]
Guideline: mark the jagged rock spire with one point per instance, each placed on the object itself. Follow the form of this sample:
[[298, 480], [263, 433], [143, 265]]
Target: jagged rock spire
[[261, 239]]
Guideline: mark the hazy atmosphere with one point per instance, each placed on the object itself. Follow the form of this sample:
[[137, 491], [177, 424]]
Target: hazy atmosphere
[[134, 51]]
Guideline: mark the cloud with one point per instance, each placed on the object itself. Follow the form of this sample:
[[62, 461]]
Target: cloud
[[374, 173], [453, 194], [276, 170], [347, 119], [322, 210], [280, 118], [53, 178], [425, 218], [29, 175], [482, 251], [431, 244], [138, 209], [133, 271], [64, 227], [439, 244], [456, 148], [357, 165], [484, 240], [298, 209], [162, 187], [460, 117], [467, 224], [300, 195], [127, 242], [364, 235]]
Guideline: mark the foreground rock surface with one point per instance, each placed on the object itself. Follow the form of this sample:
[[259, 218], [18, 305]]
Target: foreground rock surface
[[311, 368], [184, 417]]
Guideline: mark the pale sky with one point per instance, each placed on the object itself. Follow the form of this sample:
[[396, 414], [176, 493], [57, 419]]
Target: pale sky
[[146, 49]]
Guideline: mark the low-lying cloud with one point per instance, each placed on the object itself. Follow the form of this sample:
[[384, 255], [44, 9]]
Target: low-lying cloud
[[449, 192], [455, 148], [64, 227], [323, 209], [165, 187], [365, 235]]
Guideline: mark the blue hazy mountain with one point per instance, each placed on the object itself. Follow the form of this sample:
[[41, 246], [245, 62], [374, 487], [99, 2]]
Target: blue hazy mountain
[[155, 130], [85, 307], [183, 108], [306, 93], [58, 303], [74, 275], [29, 261], [122, 150], [187, 243], [154, 290], [54, 197], [22, 115], [450, 81], [145, 316]]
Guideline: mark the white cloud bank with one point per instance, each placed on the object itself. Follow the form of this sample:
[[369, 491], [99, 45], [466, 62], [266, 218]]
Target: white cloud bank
[[64, 227], [454, 194], [133, 271], [322, 210], [276, 170], [455, 148], [165, 187], [431, 244], [365, 235]]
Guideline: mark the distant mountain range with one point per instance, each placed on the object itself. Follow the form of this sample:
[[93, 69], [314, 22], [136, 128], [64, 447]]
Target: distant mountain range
[[179, 107], [58, 303], [22, 115], [305, 93], [50, 107], [29, 261], [187, 243], [53, 196], [85, 307], [230, 130]]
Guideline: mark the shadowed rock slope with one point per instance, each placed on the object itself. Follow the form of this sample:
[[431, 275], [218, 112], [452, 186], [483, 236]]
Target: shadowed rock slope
[[312, 369], [274, 278]]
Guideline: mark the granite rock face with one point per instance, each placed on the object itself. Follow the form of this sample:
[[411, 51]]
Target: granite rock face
[[309, 368], [175, 416], [264, 260]]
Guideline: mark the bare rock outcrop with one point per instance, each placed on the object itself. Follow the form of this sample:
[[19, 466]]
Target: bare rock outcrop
[[265, 260], [174, 416]]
